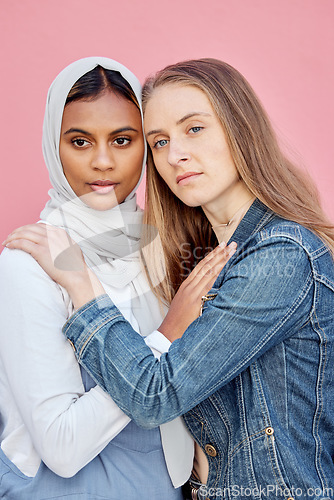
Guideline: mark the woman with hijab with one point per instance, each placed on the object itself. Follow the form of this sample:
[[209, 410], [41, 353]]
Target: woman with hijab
[[61, 435]]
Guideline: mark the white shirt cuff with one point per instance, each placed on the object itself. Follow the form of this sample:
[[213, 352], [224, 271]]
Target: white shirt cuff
[[158, 343]]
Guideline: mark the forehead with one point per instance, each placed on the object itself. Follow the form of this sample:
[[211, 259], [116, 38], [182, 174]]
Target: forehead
[[173, 101], [109, 107]]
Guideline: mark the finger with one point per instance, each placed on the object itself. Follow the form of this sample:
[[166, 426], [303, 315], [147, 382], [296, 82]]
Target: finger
[[219, 256], [23, 231], [199, 266], [209, 279], [202, 283], [220, 250], [24, 245], [26, 235]]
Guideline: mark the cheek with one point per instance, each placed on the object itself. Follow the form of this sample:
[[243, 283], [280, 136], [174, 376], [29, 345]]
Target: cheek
[[133, 165], [68, 163], [72, 172], [163, 172], [161, 165]]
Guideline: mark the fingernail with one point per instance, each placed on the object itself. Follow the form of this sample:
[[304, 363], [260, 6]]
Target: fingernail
[[232, 252], [222, 244], [233, 245]]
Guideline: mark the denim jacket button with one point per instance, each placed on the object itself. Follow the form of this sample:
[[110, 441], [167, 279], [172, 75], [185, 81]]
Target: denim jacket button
[[270, 431], [210, 450]]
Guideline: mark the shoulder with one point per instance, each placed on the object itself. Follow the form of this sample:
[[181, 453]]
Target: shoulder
[[18, 262], [279, 231], [21, 276], [278, 249]]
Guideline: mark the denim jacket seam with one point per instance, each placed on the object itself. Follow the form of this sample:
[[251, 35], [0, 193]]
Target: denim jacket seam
[[248, 458], [267, 216], [318, 412], [3, 475], [199, 419], [90, 334], [82, 311], [266, 416], [227, 426], [322, 279], [222, 416], [87, 333], [211, 462], [262, 400], [266, 234], [274, 461], [249, 439], [283, 236], [319, 252]]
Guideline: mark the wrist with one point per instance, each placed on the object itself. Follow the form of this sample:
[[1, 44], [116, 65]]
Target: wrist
[[170, 332], [84, 287]]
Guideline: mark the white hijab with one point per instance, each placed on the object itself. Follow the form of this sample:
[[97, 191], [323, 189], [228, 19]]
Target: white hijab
[[109, 239]]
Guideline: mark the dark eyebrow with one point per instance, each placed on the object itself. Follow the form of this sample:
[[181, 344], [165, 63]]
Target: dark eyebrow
[[77, 130], [84, 132], [183, 119], [125, 129]]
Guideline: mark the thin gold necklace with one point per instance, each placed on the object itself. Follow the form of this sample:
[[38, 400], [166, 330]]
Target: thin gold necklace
[[227, 224]]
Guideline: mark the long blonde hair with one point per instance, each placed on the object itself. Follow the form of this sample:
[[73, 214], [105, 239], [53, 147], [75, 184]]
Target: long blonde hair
[[265, 170]]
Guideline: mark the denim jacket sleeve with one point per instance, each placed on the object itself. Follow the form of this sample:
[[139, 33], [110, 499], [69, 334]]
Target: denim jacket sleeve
[[265, 295]]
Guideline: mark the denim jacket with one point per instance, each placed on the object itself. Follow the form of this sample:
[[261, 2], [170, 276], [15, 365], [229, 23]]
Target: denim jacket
[[253, 375]]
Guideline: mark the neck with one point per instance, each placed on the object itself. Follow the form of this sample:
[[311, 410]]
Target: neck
[[226, 214]]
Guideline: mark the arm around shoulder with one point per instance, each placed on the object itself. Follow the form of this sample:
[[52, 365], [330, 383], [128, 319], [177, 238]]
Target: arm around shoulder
[[264, 295]]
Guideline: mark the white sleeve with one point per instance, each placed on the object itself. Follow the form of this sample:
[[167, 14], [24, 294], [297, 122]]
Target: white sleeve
[[158, 343], [68, 427]]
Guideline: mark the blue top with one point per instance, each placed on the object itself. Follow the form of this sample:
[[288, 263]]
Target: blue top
[[132, 462], [253, 374]]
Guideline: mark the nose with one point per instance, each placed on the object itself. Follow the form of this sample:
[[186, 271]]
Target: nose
[[103, 158], [177, 153]]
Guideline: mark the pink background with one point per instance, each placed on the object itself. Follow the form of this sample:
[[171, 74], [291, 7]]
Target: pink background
[[283, 47]]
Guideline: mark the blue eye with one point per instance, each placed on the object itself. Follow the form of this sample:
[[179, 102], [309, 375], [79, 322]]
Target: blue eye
[[160, 144], [195, 130]]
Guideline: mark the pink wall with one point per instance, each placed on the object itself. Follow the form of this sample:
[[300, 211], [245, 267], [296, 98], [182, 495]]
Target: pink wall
[[284, 47]]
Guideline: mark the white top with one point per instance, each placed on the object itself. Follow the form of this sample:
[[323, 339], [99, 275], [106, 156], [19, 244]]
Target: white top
[[45, 412]]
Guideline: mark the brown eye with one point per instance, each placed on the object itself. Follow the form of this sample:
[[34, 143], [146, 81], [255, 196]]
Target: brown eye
[[79, 142], [122, 141]]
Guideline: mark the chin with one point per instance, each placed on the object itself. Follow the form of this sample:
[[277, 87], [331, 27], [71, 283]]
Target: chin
[[191, 202], [103, 206], [100, 202]]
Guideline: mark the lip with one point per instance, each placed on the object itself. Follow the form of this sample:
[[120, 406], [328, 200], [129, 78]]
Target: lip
[[187, 177], [102, 187]]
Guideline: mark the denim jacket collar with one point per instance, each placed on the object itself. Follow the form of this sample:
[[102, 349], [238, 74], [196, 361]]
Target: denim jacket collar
[[255, 218]]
